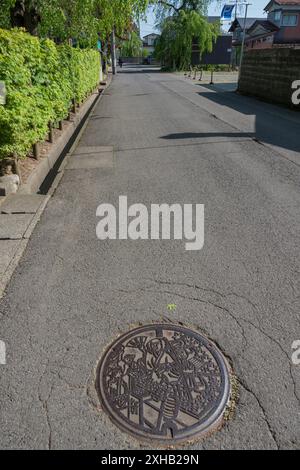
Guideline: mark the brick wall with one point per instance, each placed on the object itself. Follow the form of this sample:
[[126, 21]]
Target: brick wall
[[269, 73]]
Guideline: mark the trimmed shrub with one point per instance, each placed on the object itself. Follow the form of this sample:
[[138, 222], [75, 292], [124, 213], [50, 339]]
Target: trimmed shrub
[[41, 80]]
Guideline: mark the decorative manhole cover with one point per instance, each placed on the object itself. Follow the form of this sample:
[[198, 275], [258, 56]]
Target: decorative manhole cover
[[164, 382]]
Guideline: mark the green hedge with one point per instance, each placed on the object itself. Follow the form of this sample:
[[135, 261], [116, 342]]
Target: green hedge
[[41, 81]]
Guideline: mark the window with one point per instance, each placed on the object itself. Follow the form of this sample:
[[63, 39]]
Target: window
[[289, 20], [277, 15]]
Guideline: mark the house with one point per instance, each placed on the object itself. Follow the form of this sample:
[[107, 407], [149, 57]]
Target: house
[[261, 35], [281, 27], [149, 43], [236, 29], [285, 14]]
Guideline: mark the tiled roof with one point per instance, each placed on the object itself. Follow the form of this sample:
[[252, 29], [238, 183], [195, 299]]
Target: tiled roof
[[288, 2], [267, 25], [239, 22], [151, 34], [282, 2]]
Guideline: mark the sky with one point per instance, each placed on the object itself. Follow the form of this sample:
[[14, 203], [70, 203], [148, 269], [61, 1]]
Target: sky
[[254, 10]]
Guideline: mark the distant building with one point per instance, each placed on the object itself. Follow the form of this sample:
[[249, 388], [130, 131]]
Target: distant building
[[221, 51], [149, 43], [261, 35], [213, 19], [237, 28], [285, 14], [281, 27]]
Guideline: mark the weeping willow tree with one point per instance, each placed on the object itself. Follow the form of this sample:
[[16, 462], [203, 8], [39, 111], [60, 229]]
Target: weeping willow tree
[[133, 46], [179, 33], [167, 8]]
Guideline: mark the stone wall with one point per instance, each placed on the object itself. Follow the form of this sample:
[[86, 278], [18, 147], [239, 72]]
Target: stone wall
[[269, 74]]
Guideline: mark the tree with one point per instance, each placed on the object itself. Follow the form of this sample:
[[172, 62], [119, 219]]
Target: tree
[[25, 14], [81, 20], [167, 8], [179, 32], [133, 47]]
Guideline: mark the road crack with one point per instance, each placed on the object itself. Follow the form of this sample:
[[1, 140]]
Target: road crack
[[45, 407], [263, 411], [239, 320]]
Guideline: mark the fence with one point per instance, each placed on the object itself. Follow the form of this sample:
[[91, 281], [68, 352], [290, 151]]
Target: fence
[[269, 74]]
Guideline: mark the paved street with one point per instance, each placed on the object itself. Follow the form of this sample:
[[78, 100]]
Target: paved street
[[168, 140]]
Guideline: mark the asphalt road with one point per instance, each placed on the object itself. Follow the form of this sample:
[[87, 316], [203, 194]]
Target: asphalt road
[[174, 141]]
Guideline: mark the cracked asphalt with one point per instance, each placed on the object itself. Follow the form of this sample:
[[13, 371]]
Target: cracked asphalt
[[174, 141]]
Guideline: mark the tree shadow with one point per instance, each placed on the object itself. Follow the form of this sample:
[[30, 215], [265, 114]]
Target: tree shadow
[[201, 135]]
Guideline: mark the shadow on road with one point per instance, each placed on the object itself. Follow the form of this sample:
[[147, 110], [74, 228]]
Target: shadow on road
[[274, 125], [200, 135], [267, 123]]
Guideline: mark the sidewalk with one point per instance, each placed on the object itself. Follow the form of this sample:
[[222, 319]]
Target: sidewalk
[[225, 81], [19, 214]]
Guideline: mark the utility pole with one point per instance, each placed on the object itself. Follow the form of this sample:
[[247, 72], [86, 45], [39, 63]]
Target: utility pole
[[243, 40], [113, 52], [235, 10]]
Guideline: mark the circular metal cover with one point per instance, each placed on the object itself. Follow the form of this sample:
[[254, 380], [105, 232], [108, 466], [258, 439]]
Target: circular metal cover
[[164, 382]]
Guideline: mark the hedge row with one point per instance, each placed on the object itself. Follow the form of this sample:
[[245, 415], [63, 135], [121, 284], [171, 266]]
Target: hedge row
[[41, 79]]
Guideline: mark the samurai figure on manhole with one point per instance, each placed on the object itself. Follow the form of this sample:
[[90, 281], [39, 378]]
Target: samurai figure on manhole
[[164, 382]]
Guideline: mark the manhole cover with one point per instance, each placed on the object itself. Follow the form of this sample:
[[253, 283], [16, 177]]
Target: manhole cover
[[164, 382]]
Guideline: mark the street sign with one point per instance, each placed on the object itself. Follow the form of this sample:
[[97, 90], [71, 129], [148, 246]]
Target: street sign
[[2, 93], [227, 12]]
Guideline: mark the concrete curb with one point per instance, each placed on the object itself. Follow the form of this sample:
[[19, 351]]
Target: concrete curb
[[64, 163], [40, 174]]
